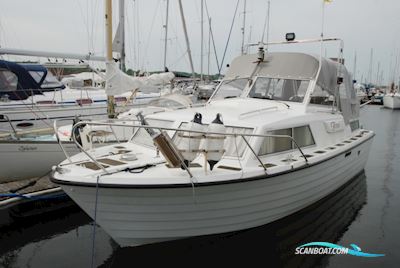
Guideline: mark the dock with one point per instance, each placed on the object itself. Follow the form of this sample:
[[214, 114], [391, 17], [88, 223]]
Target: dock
[[29, 198]]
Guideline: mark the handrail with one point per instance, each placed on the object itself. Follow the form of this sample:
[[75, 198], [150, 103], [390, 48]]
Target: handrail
[[184, 130], [55, 127]]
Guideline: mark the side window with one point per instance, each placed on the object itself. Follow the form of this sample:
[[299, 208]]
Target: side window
[[354, 125], [8, 80], [274, 145], [302, 136], [321, 96]]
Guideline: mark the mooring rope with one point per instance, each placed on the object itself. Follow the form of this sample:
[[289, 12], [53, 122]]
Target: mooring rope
[[95, 221]]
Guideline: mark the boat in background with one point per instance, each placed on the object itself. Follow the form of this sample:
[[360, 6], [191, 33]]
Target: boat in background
[[391, 99], [31, 97], [362, 96], [233, 163]]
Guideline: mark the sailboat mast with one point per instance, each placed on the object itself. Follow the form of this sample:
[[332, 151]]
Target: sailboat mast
[[377, 73], [109, 57], [201, 41], [209, 48], [370, 66], [122, 29], [186, 38], [166, 36], [244, 25]]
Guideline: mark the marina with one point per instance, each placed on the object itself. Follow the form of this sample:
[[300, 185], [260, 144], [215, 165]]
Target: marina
[[268, 150], [364, 212]]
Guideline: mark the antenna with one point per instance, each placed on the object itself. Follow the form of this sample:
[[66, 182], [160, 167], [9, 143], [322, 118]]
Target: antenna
[[244, 25], [166, 35], [266, 22]]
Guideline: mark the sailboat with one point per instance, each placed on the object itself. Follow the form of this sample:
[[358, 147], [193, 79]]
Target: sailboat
[[37, 150], [37, 105]]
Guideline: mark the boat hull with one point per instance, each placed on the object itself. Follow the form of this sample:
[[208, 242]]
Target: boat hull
[[137, 216], [392, 102], [21, 160], [43, 116]]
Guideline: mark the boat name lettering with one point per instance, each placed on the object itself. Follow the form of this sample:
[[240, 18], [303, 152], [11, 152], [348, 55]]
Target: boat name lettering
[[25, 148]]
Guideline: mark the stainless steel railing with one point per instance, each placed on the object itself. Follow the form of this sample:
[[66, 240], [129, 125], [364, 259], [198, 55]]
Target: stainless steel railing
[[243, 136]]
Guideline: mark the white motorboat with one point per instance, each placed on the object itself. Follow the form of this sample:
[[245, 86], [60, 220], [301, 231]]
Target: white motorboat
[[232, 164], [392, 100]]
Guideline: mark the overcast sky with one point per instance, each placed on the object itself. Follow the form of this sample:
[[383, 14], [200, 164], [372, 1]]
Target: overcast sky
[[77, 26]]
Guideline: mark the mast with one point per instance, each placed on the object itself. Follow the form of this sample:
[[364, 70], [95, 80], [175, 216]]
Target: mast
[[209, 48], [109, 57], [244, 25], [201, 42], [166, 36], [370, 66], [377, 73], [186, 38], [122, 29]]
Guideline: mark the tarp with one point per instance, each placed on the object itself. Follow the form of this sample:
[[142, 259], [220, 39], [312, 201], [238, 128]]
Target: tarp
[[118, 82], [300, 66]]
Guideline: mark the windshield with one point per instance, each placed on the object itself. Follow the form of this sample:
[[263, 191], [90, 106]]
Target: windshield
[[231, 88], [279, 89]]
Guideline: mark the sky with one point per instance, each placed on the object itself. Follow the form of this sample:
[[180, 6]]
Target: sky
[[367, 27]]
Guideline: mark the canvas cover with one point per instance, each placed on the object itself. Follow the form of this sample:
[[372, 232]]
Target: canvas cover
[[118, 82], [300, 66]]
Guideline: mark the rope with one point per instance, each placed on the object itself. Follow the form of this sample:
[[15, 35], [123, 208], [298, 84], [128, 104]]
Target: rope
[[23, 196], [212, 35], [229, 37], [95, 221]]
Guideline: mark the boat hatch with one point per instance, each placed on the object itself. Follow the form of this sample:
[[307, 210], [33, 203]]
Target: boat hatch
[[110, 162]]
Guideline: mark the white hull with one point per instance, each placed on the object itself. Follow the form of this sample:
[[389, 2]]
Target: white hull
[[391, 101], [23, 160], [136, 216], [42, 115]]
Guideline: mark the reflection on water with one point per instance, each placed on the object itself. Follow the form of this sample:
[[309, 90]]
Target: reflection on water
[[65, 239]]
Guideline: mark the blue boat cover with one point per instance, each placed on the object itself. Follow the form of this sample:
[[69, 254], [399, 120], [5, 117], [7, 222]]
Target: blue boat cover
[[26, 84]]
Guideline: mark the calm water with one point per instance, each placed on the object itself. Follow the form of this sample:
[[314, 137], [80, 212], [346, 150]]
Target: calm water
[[366, 212]]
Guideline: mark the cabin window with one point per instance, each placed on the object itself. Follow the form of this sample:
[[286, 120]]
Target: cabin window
[[279, 89], [354, 125], [236, 147], [8, 80], [233, 147], [302, 135], [321, 96], [231, 88], [37, 76]]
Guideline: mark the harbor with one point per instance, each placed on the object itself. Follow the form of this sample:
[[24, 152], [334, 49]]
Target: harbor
[[282, 153], [364, 212]]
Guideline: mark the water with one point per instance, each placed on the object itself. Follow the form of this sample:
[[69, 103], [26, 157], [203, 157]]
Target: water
[[364, 212]]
